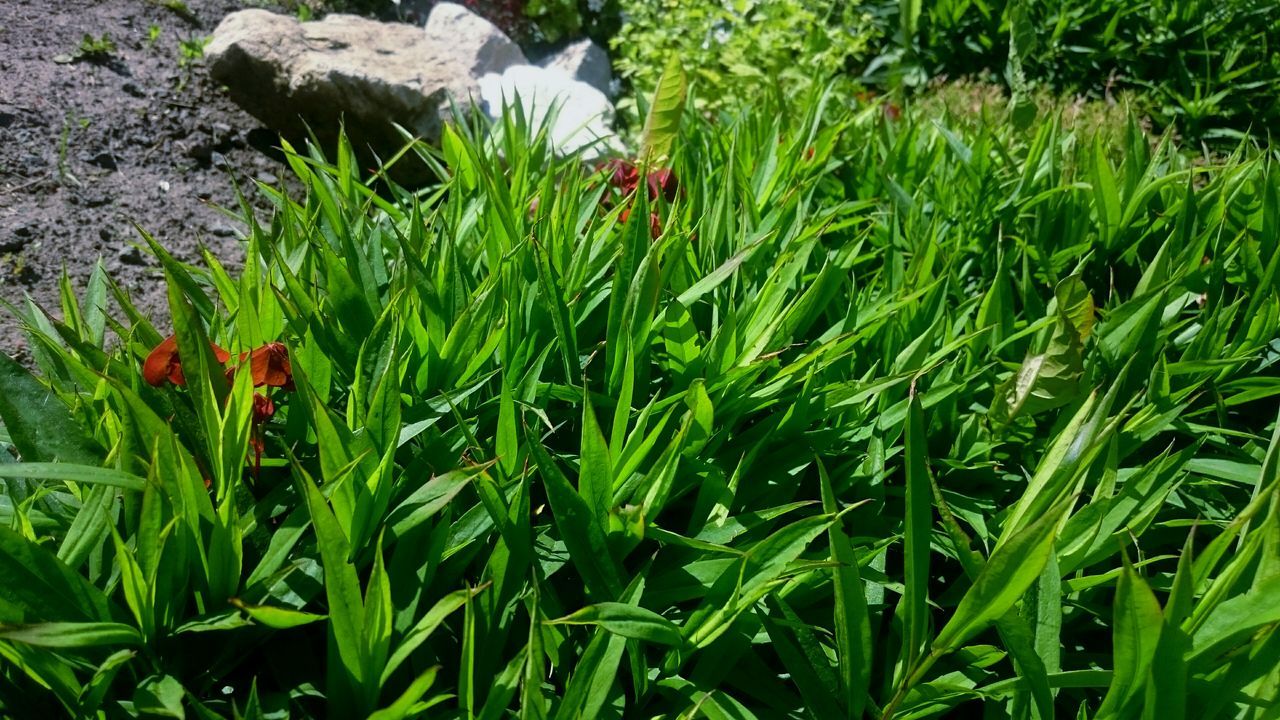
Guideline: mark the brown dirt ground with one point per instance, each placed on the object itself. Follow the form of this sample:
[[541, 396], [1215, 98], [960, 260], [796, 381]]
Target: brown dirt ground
[[90, 147]]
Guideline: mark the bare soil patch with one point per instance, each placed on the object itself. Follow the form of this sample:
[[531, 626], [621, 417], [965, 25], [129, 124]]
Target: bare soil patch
[[91, 144]]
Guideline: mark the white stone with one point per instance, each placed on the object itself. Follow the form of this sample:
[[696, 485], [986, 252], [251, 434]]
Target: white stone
[[581, 116], [453, 26], [586, 62]]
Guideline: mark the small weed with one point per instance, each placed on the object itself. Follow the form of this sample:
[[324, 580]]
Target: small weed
[[153, 34], [65, 176], [13, 265], [99, 49], [191, 49], [179, 8]]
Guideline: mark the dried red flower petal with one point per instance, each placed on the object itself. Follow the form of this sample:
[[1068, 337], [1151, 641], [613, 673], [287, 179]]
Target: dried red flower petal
[[270, 366], [164, 363], [263, 408]]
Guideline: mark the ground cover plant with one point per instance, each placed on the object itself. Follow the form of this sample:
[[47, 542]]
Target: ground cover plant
[[853, 415]]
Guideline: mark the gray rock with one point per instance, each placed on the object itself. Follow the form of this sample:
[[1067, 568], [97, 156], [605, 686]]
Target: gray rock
[[586, 62], [293, 75], [453, 26]]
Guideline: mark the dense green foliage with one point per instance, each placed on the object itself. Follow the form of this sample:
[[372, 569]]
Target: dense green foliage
[[1209, 68], [887, 419], [742, 50]]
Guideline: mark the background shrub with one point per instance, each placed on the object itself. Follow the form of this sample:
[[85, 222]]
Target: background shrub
[[737, 51], [1209, 68]]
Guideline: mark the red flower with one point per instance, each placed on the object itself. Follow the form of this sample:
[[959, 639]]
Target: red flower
[[663, 182], [270, 366], [164, 363], [263, 408], [625, 176], [622, 174], [655, 222]]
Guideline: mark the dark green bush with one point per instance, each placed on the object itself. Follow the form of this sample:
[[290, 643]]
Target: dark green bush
[[1208, 68]]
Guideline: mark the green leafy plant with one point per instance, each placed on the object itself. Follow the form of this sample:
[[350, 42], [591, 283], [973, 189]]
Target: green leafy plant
[[179, 8], [190, 52], [1204, 68], [742, 50], [96, 49], [191, 49], [887, 419], [69, 124]]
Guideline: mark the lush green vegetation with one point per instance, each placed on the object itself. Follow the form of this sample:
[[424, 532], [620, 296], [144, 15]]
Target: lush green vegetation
[[1207, 68], [956, 403], [852, 416], [738, 52]]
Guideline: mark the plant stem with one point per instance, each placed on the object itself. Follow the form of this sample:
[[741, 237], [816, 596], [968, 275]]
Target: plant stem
[[921, 667]]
